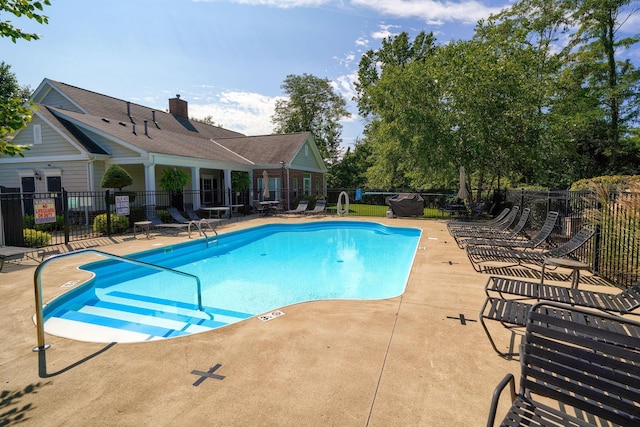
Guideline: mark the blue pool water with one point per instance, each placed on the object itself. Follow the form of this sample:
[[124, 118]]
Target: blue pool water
[[243, 273]]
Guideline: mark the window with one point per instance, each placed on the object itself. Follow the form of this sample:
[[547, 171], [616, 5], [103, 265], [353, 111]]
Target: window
[[37, 134], [317, 186], [307, 184], [274, 189], [295, 187]]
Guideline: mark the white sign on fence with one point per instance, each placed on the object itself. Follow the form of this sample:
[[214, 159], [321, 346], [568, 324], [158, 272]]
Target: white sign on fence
[[122, 205]]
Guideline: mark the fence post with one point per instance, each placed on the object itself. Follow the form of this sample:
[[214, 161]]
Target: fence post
[[107, 200], [65, 215], [597, 242]]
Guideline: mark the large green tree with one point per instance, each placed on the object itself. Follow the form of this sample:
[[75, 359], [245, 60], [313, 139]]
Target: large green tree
[[14, 115], [312, 105]]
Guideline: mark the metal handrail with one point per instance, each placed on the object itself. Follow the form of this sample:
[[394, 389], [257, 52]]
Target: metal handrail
[[37, 285], [199, 225]]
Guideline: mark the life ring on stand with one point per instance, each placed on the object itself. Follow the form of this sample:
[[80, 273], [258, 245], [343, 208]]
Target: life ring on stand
[[343, 204]]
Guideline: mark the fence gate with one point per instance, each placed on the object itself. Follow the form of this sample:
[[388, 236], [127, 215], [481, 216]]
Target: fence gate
[[12, 216]]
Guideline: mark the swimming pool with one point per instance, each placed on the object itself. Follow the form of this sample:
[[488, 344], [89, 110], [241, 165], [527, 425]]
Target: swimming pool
[[242, 273]]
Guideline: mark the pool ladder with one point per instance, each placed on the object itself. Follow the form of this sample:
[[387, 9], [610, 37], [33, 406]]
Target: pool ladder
[[201, 229], [37, 284]]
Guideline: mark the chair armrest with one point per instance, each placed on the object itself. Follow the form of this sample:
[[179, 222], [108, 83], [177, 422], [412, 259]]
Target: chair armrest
[[508, 379]]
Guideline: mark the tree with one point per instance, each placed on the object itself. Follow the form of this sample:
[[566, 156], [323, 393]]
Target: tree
[[19, 8], [312, 106], [14, 115]]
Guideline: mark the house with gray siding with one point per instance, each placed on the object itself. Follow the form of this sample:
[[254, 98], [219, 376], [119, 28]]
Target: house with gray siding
[[76, 134]]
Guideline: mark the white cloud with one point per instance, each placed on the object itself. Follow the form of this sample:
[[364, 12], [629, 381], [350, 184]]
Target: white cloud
[[468, 11], [245, 112], [385, 31]]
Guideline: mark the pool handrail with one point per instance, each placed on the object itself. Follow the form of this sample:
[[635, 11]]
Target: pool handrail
[[37, 284]]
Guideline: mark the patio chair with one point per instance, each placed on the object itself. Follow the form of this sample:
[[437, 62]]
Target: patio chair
[[540, 237], [479, 232], [8, 253], [318, 209], [259, 207], [505, 301], [156, 221], [509, 233], [578, 368], [302, 206], [193, 215], [478, 255], [458, 224]]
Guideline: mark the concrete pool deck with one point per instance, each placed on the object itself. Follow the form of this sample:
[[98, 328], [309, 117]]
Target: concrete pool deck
[[403, 361]]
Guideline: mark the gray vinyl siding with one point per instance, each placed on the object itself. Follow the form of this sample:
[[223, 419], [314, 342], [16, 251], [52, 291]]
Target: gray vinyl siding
[[305, 162], [54, 99], [53, 144], [73, 174], [98, 173]]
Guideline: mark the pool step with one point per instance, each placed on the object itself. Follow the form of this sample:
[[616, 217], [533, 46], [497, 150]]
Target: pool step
[[124, 317]]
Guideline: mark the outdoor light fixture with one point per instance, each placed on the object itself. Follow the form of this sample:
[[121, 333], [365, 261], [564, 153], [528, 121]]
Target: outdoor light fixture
[[37, 175]]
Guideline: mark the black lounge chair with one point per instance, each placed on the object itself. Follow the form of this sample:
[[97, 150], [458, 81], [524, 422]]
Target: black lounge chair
[[193, 215], [301, 208], [578, 368], [506, 303], [478, 255], [540, 237], [475, 232], [516, 232], [458, 224]]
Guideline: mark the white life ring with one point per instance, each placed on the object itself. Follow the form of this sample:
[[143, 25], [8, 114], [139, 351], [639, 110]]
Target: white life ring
[[343, 204]]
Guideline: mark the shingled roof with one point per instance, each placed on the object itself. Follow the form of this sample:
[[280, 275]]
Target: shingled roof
[[154, 131]]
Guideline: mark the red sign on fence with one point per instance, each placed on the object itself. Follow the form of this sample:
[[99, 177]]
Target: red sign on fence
[[45, 210]]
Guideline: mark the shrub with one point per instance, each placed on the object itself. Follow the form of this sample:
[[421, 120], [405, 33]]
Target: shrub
[[118, 223], [116, 177], [29, 221], [35, 239]]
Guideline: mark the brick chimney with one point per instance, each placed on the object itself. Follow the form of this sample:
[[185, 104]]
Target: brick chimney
[[178, 107]]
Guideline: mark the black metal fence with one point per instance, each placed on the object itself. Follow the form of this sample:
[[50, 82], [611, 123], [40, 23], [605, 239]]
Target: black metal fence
[[613, 253]]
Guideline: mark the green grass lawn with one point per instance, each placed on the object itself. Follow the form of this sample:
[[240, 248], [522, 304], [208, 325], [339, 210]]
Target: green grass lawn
[[379, 210]]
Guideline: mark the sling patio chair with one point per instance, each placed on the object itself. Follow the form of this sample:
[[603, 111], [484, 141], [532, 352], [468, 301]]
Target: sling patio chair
[[156, 221], [479, 255], [540, 237], [484, 231], [301, 208], [577, 368], [458, 224], [318, 209], [515, 232], [193, 218], [506, 302]]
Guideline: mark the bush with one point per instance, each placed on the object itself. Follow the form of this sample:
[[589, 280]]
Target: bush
[[35, 239], [29, 221], [118, 223]]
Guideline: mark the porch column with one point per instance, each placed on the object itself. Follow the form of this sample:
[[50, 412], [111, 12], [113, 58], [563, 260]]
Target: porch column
[[227, 187], [195, 186], [150, 182]]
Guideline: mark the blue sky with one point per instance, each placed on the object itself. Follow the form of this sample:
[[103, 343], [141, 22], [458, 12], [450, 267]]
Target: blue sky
[[227, 58]]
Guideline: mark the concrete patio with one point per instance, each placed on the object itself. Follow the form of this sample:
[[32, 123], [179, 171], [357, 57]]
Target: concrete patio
[[406, 361]]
